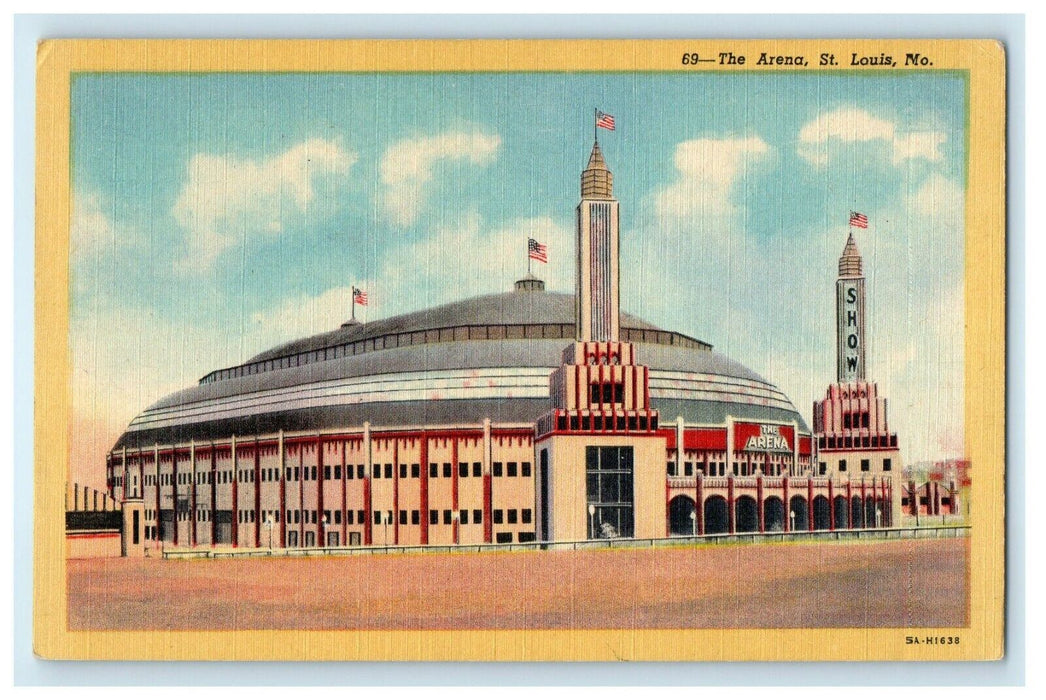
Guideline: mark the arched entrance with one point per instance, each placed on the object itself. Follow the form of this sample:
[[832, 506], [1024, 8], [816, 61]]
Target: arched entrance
[[680, 509], [774, 514], [857, 508], [822, 513], [869, 513], [797, 513], [717, 521], [747, 512], [842, 513]]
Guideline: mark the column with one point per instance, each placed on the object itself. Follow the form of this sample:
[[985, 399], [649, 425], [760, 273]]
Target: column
[[282, 518]]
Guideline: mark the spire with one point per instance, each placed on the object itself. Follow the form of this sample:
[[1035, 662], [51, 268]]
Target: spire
[[850, 261], [597, 182]]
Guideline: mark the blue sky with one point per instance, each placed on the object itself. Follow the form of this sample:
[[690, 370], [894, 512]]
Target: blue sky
[[216, 215]]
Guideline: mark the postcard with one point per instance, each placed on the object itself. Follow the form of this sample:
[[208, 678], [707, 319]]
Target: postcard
[[520, 350]]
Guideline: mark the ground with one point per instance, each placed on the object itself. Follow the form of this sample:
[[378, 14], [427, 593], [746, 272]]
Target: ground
[[906, 583]]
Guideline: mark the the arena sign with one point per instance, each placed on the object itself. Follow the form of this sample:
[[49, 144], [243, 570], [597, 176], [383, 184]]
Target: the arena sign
[[764, 438]]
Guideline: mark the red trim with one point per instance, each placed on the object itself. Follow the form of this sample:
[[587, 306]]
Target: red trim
[[810, 504], [850, 506], [174, 491], [92, 535], [192, 494], [257, 495], [488, 525], [395, 492], [730, 503], [759, 500], [344, 496], [699, 504], [787, 506], [320, 530], [424, 498], [454, 488], [283, 496], [235, 504], [368, 530], [831, 507], [214, 497]]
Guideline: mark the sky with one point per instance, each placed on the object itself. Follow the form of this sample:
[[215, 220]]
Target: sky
[[216, 215]]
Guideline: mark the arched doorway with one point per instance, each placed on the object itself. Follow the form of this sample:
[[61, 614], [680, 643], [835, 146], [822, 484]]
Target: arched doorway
[[746, 511], [887, 513], [869, 513], [774, 514], [842, 513], [822, 513], [717, 520], [680, 509], [857, 508], [797, 508]]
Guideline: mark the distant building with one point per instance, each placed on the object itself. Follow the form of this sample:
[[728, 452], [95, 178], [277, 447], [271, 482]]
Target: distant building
[[516, 417], [940, 488]]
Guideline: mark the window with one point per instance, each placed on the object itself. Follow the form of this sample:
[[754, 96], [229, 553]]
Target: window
[[497, 468], [463, 469], [433, 470], [360, 468], [498, 516], [313, 471], [337, 471], [403, 517], [865, 465], [526, 516], [688, 468], [447, 470], [512, 468], [477, 469], [349, 517], [433, 517], [823, 468], [477, 516], [337, 517], [377, 471], [388, 471], [415, 517], [463, 516], [326, 473], [415, 471], [609, 480], [377, 517], [671, 468], [887, 464], [525, 469], [403, 471], [842, 465], [446, 517], [361, 517], [513, 516], [503, 537]]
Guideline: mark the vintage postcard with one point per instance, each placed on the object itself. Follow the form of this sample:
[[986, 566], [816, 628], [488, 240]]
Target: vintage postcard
[[520, 350]]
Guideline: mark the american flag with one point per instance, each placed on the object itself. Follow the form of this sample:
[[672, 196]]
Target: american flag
[[604, 120], [858, 219], [359, 296], [536, 251]]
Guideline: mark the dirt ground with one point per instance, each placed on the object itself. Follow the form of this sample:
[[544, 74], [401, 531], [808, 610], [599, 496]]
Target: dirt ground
[[907, 583]]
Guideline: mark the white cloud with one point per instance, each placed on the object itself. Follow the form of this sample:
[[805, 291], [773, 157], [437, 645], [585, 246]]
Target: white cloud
[[850, 125], [91, 226], [706, 171], [941, 200], [226, 198], [407, 167]]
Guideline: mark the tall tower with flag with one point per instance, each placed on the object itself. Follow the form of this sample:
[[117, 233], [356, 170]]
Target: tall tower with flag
[[599, 451], [851, 427], [598, 296]]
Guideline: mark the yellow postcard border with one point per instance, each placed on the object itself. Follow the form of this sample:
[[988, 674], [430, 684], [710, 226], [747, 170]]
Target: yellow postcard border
[[983, 61]]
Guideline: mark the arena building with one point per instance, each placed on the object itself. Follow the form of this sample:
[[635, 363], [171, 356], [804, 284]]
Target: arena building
[[516, 417]]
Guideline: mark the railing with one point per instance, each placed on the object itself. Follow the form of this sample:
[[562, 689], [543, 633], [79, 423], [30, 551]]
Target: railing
[[894, 533]]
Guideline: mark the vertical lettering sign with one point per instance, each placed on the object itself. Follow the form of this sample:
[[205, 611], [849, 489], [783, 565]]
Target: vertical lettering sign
[[851, 330]]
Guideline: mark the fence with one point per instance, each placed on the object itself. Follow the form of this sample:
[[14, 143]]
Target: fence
[[894, 533]]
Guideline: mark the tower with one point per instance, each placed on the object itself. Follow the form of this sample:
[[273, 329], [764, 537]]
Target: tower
[[597, 301], [849, 315], [853, 434], [600, 456]]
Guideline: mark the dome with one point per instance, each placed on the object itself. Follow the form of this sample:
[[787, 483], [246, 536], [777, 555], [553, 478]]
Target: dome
[[459, 363]]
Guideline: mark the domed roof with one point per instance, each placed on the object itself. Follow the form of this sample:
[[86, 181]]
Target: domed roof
[[485, 357]]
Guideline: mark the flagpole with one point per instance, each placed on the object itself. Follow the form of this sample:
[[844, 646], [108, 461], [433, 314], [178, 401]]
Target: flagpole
[[353, 303], [528, 257], [595, 124]]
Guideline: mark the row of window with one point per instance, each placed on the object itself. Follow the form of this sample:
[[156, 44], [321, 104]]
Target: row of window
[[866, 465], [833, 442], [358, 472], [455, 333], [597, 423], [855, 419]]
